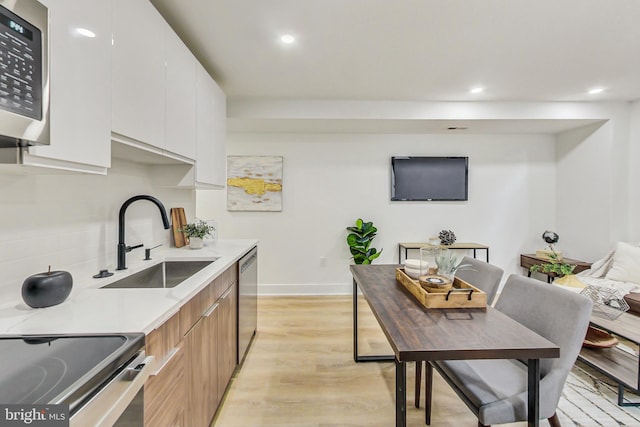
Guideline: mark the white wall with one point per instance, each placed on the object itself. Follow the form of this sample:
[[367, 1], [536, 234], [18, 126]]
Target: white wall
[[595, 186], [70, 221], [331, 180], [634, 173]]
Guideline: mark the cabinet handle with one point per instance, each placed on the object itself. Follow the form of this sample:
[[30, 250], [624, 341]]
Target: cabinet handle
[[226, 294], [166, 361], [211, 310]]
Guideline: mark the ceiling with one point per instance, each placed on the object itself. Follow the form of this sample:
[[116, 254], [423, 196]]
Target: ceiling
[[415, 50]]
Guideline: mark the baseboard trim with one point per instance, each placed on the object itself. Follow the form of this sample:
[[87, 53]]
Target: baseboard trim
[[305, 289]]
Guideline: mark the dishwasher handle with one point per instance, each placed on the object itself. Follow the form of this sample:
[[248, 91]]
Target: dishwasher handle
[[246, 264]]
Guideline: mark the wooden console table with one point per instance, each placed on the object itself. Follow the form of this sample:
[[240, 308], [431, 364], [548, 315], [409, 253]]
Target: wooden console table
[[615, 363], [528, 260], [469, 246]]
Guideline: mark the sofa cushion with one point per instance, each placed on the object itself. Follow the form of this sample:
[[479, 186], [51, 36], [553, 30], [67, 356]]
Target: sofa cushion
[[626, 264]]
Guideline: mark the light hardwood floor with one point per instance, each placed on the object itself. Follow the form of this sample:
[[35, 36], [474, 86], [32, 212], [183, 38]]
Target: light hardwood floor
[[300, 372]]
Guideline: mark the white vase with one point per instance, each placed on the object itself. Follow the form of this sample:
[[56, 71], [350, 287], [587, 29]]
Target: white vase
[[195, 242], [213, 236]]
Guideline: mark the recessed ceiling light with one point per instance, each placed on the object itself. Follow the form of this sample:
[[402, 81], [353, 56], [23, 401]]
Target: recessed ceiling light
[[596, 90], [477, 90], [287, 39], [85, 33]]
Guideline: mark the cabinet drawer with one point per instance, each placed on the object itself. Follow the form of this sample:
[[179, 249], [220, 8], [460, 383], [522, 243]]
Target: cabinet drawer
[[191, 312], [164, 394], [161, 341], [226, 279]]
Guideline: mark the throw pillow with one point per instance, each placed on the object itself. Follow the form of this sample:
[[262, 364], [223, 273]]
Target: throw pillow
[[626, 264]]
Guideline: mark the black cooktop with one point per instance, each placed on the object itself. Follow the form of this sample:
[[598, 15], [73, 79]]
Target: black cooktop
[[61, 368]]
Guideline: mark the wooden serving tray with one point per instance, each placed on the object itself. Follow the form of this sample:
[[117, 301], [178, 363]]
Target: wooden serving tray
[[454, 298]]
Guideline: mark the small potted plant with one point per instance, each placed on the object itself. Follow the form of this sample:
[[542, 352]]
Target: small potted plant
[[448, 263], [359, 241], [554, 267], [196, 231]]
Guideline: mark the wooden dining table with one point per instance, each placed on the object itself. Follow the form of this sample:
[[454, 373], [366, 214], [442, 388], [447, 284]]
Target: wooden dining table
[[417, 334]]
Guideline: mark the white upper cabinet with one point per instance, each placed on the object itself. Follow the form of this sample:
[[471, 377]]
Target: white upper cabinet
[[211, 168], [181, 97], [219, 152], [138, 107], [80, 89]]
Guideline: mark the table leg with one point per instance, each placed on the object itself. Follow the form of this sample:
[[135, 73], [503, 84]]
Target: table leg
[[620, 395], [401, 393], [399, 254], [621, 401], [487, 254], [418, 383], [356, 357], [533, 392], [355, 321], [428, 391]]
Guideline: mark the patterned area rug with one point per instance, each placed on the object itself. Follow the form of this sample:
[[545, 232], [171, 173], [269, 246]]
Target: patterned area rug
[[590, 399]]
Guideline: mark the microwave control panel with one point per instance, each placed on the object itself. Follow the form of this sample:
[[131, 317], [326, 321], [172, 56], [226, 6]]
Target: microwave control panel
[[20, 66]]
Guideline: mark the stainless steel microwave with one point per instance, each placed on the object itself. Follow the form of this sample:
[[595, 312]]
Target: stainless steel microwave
[[24, 73]]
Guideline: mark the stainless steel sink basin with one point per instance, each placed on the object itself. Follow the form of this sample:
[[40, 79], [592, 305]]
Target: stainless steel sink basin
[[167, 274]]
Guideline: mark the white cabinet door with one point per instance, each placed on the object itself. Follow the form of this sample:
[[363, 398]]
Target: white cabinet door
[[181, 97], [80, 100], [139, 72], [218, 175], [212, 116]]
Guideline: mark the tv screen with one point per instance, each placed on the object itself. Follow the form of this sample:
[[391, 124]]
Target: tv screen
[[429, 178]]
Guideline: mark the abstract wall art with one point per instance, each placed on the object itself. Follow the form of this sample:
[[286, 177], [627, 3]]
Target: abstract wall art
[[254, 183]]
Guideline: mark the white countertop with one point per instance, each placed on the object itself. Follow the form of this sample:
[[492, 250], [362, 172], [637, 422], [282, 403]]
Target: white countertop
[[90, 309]]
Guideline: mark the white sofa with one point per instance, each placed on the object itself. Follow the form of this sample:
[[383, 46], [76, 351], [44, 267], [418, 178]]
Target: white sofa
[[619, 270]]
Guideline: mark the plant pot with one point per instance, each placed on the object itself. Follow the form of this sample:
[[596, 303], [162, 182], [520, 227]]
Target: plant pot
[[447, 274], [195, 242], [435, 283]]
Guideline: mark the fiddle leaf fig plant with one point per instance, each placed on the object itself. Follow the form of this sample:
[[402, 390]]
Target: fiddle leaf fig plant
[[554, 266], [359, 241]]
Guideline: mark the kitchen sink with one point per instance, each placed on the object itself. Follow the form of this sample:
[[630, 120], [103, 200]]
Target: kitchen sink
[[167, 274]]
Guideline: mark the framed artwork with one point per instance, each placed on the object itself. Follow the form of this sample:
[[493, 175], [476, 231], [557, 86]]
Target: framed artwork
[[254, 183]]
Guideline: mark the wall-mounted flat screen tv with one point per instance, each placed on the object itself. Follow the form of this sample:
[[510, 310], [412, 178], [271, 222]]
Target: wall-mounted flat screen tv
[[429, 178]]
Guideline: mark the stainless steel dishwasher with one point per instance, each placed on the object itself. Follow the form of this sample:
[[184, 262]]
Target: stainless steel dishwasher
[[247, 300]]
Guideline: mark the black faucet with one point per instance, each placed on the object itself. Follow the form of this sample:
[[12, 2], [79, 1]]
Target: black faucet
[[122, 247]]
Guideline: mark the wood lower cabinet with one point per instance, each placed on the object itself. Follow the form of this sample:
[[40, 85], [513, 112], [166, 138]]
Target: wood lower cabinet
[[227, 337], [192, 380], [202, 369], [164, 393]]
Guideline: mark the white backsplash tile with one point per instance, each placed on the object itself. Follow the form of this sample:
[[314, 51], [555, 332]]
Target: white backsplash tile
[[71, 221]]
